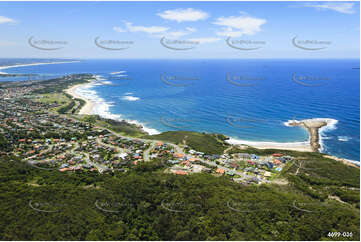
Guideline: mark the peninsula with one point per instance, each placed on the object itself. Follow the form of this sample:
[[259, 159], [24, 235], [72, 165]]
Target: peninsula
[[313, 127]]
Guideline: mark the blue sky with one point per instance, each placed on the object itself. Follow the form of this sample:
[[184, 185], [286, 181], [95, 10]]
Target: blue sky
[[324, 29]]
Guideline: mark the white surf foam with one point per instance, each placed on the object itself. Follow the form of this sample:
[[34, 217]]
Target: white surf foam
[[343, 138], [331, 125], [102, 108], [117, 72], [130, 98]]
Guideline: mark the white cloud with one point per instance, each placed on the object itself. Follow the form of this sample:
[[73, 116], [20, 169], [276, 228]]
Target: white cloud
[[190, 29], [155, 31], [235, 26], [181, 15], [336, 6], [176, 34], [180, 33], [119, 29], [4, 20], [150, 30], [229, 32], [206, 40]]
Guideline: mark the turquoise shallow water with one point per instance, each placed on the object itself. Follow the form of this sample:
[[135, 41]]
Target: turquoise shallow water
[[245, 99]]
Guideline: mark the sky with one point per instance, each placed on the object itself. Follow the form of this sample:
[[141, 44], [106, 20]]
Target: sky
[[179, 30]]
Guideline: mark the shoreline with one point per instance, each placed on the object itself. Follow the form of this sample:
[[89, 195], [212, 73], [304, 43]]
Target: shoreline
[[314, 126], [88, 109], [98, 106], [33, 64], [89, 104], [295, 146]]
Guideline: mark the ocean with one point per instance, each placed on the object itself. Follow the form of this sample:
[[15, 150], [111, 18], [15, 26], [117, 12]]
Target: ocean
[[245, 99]]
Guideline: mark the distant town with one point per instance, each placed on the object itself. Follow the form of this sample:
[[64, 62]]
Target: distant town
[[41, 124]]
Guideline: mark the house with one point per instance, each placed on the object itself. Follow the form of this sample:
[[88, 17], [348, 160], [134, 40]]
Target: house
[[287, 157], [231, 173], [192, 159], [77, 168], [254, 157], [215, 157], [137, 156], [220, 171], [269, 165], [282, 159], [178, 155], [192, 152], [276, 162], [123, 155], [64, 166], [277, 155], [179, 172], [267, 174], [173, 161], [186, 163], [243, 155]]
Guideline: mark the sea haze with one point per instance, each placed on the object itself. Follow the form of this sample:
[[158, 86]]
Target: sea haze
[[244, 99]]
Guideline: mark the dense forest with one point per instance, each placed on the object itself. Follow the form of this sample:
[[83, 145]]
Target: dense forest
[[147, 204]]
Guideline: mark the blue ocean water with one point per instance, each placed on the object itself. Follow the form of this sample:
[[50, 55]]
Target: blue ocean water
[[244, 99]]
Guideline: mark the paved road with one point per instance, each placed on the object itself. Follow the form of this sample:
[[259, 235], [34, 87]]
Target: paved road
[[146, 152], [177, 148], [101, 168]]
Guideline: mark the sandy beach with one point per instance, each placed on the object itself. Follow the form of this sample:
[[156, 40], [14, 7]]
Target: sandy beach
[[89, 105], [34, 64], [296, 146]]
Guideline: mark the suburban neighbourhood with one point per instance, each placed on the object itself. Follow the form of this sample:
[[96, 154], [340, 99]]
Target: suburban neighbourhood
[[47, 139]]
